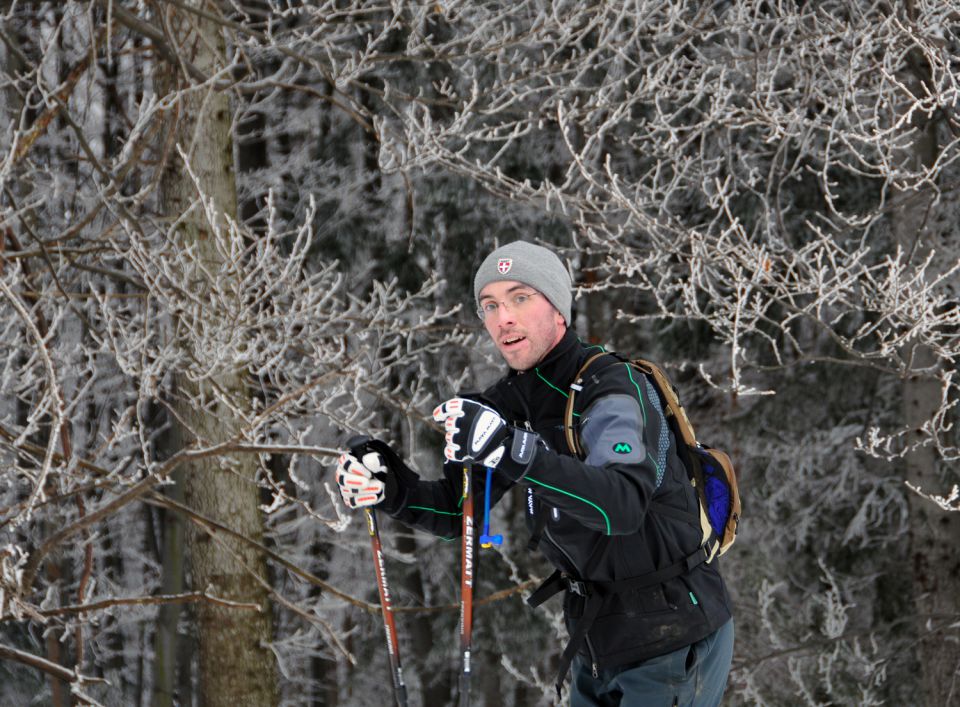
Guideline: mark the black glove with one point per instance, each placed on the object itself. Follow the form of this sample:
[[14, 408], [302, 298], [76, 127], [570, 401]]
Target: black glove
[[373, 473], [477, 433]]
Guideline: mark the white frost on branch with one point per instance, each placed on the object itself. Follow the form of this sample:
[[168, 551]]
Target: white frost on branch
[[950, 502]]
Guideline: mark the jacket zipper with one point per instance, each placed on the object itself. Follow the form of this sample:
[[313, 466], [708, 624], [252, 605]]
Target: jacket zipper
[[593, 660], [595, 671], [546, 534]]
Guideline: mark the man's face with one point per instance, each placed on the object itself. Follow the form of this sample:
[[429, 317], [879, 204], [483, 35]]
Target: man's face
[[525, 329]]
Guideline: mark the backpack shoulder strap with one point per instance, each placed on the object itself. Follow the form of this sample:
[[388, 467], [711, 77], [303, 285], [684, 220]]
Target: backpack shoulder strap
[[669, 393], [573, 441], [663, 384]]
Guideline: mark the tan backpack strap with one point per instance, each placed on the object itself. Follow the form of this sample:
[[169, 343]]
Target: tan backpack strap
[[673, 402], [573, 442]]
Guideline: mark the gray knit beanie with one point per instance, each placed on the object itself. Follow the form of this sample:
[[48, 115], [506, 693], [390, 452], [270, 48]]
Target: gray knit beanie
[[533, 265]]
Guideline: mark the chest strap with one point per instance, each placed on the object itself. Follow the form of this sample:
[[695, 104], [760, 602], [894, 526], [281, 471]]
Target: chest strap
[[594, 594]]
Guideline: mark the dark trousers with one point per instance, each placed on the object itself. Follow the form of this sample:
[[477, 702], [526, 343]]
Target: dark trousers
[[694, 676]]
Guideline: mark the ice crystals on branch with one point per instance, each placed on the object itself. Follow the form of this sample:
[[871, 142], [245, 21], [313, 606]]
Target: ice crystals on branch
[[950, 502], [647, 140]]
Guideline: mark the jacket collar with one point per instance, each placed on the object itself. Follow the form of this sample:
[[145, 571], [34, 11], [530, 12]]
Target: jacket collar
[[542, 391], [561, 357]]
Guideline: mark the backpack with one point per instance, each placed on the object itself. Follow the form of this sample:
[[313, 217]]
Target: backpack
[[710, 470]]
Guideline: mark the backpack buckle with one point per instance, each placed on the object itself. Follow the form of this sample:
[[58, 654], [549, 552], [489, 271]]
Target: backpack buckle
[[703, 554], [576, 586]]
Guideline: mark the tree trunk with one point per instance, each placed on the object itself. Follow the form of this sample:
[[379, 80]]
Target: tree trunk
[[934, 534], [235, 663], [165, 661]]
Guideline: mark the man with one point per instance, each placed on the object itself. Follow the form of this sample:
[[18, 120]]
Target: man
[[642, 631]]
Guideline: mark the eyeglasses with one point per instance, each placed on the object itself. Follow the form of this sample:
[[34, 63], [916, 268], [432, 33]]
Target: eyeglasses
[[514, 303]]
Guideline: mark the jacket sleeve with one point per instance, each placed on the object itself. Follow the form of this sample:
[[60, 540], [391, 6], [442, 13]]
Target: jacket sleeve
[[436, 506], [628, 447]]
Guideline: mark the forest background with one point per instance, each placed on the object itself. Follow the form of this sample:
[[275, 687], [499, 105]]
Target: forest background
[[232, 232]]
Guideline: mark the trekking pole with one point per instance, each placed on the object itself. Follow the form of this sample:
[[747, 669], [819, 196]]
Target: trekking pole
[[357, 446], [467, 559]]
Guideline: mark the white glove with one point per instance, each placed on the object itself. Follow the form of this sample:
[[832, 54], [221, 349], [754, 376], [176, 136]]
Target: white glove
[[357, 480]]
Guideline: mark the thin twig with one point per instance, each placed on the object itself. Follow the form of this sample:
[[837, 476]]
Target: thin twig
[[188, 598]]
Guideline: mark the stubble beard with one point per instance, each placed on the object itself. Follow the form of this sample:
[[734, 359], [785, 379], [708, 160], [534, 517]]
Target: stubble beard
[[528, 360]]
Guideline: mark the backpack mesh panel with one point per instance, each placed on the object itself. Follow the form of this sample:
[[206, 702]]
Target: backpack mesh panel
[[664, 439]]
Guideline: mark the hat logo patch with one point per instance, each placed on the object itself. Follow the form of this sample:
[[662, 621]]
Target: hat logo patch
[[504, 265]]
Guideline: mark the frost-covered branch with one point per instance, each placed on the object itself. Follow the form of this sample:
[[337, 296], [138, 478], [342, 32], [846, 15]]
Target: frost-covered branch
[[950, 502]]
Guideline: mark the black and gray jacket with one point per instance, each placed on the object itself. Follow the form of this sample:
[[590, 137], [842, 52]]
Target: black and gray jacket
[[597, 525]]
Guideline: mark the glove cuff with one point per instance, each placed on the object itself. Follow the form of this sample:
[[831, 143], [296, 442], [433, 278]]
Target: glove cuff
[[394, 495], [522, 451]]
